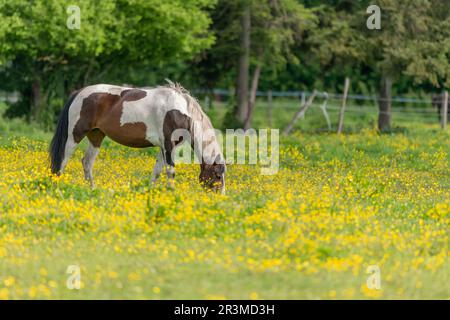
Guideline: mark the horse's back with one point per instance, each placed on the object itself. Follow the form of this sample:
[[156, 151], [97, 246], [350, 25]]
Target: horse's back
[[130, 116]]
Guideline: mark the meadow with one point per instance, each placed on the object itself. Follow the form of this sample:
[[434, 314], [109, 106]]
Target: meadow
[[338, 205]]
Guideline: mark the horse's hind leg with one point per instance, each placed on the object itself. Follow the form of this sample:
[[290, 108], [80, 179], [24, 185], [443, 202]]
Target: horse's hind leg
[[95, 140], [68, 151], [76, 135]]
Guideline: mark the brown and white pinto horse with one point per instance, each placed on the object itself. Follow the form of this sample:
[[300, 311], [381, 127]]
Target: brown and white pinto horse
[[137, 118]]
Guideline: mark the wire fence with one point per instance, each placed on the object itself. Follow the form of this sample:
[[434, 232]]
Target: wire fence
[[328, 105], [303, 95], [419, 108], [307, 94]]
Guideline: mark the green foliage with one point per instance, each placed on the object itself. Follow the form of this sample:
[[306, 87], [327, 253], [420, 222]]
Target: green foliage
[[276, 28], [299, 45], [413, 41], [19, 127], [38, 49]]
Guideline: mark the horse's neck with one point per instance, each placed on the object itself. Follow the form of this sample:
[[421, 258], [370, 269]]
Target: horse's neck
[[204, 143]]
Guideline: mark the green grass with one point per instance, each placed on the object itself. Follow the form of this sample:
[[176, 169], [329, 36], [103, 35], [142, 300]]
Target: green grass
[[338, 205], [357, 118]]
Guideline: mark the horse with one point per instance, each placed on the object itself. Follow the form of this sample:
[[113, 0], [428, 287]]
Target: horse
[[137, 118]]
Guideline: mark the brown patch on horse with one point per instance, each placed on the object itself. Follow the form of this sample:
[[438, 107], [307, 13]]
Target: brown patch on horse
[[173, 120], [91, 110], [103, 111], [95, 137], [133, 94]]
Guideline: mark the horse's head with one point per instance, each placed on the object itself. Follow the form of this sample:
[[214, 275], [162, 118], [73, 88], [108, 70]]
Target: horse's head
[[212, 176]]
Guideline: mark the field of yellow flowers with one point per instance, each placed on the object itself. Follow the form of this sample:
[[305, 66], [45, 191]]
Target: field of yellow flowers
[[337, 206]]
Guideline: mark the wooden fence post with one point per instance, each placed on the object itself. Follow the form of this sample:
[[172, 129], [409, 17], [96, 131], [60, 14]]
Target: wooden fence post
[[344, 102], [207, 102], [269, 107], [300, 113], [444, 110], [303, 101], [323, 107]]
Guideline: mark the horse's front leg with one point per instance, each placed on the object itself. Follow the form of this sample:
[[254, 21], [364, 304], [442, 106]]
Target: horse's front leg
[[170, 168], [158, 168]]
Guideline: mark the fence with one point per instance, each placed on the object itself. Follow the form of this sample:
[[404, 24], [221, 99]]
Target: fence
[[405, 109], [295, 106]]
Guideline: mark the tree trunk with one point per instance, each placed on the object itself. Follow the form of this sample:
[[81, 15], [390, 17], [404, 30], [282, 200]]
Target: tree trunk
[[444, 110], [384, 115], [251, 103], [243, 68], [36, 99]]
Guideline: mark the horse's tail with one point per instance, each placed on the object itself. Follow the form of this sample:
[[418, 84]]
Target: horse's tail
[[58, 144]]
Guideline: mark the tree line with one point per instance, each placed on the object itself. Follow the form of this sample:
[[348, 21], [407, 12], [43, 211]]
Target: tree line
[[241, 44]]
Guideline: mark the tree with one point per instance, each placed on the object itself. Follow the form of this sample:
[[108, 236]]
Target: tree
[[279, 28], [243, 65], [413, 42], [42, 57], [252, 36]]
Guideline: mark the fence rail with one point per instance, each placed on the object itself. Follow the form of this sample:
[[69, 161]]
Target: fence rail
[[14, 96], [297, 102], [426, 110], [307, 94]]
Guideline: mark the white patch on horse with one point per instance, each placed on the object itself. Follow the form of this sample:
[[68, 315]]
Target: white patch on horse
[[134, 112], [151, 111]]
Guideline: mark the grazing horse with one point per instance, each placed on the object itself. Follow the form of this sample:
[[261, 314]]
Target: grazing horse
[[137, 118]]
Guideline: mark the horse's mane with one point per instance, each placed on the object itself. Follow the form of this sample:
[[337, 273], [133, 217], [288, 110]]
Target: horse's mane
[[194, 107]]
